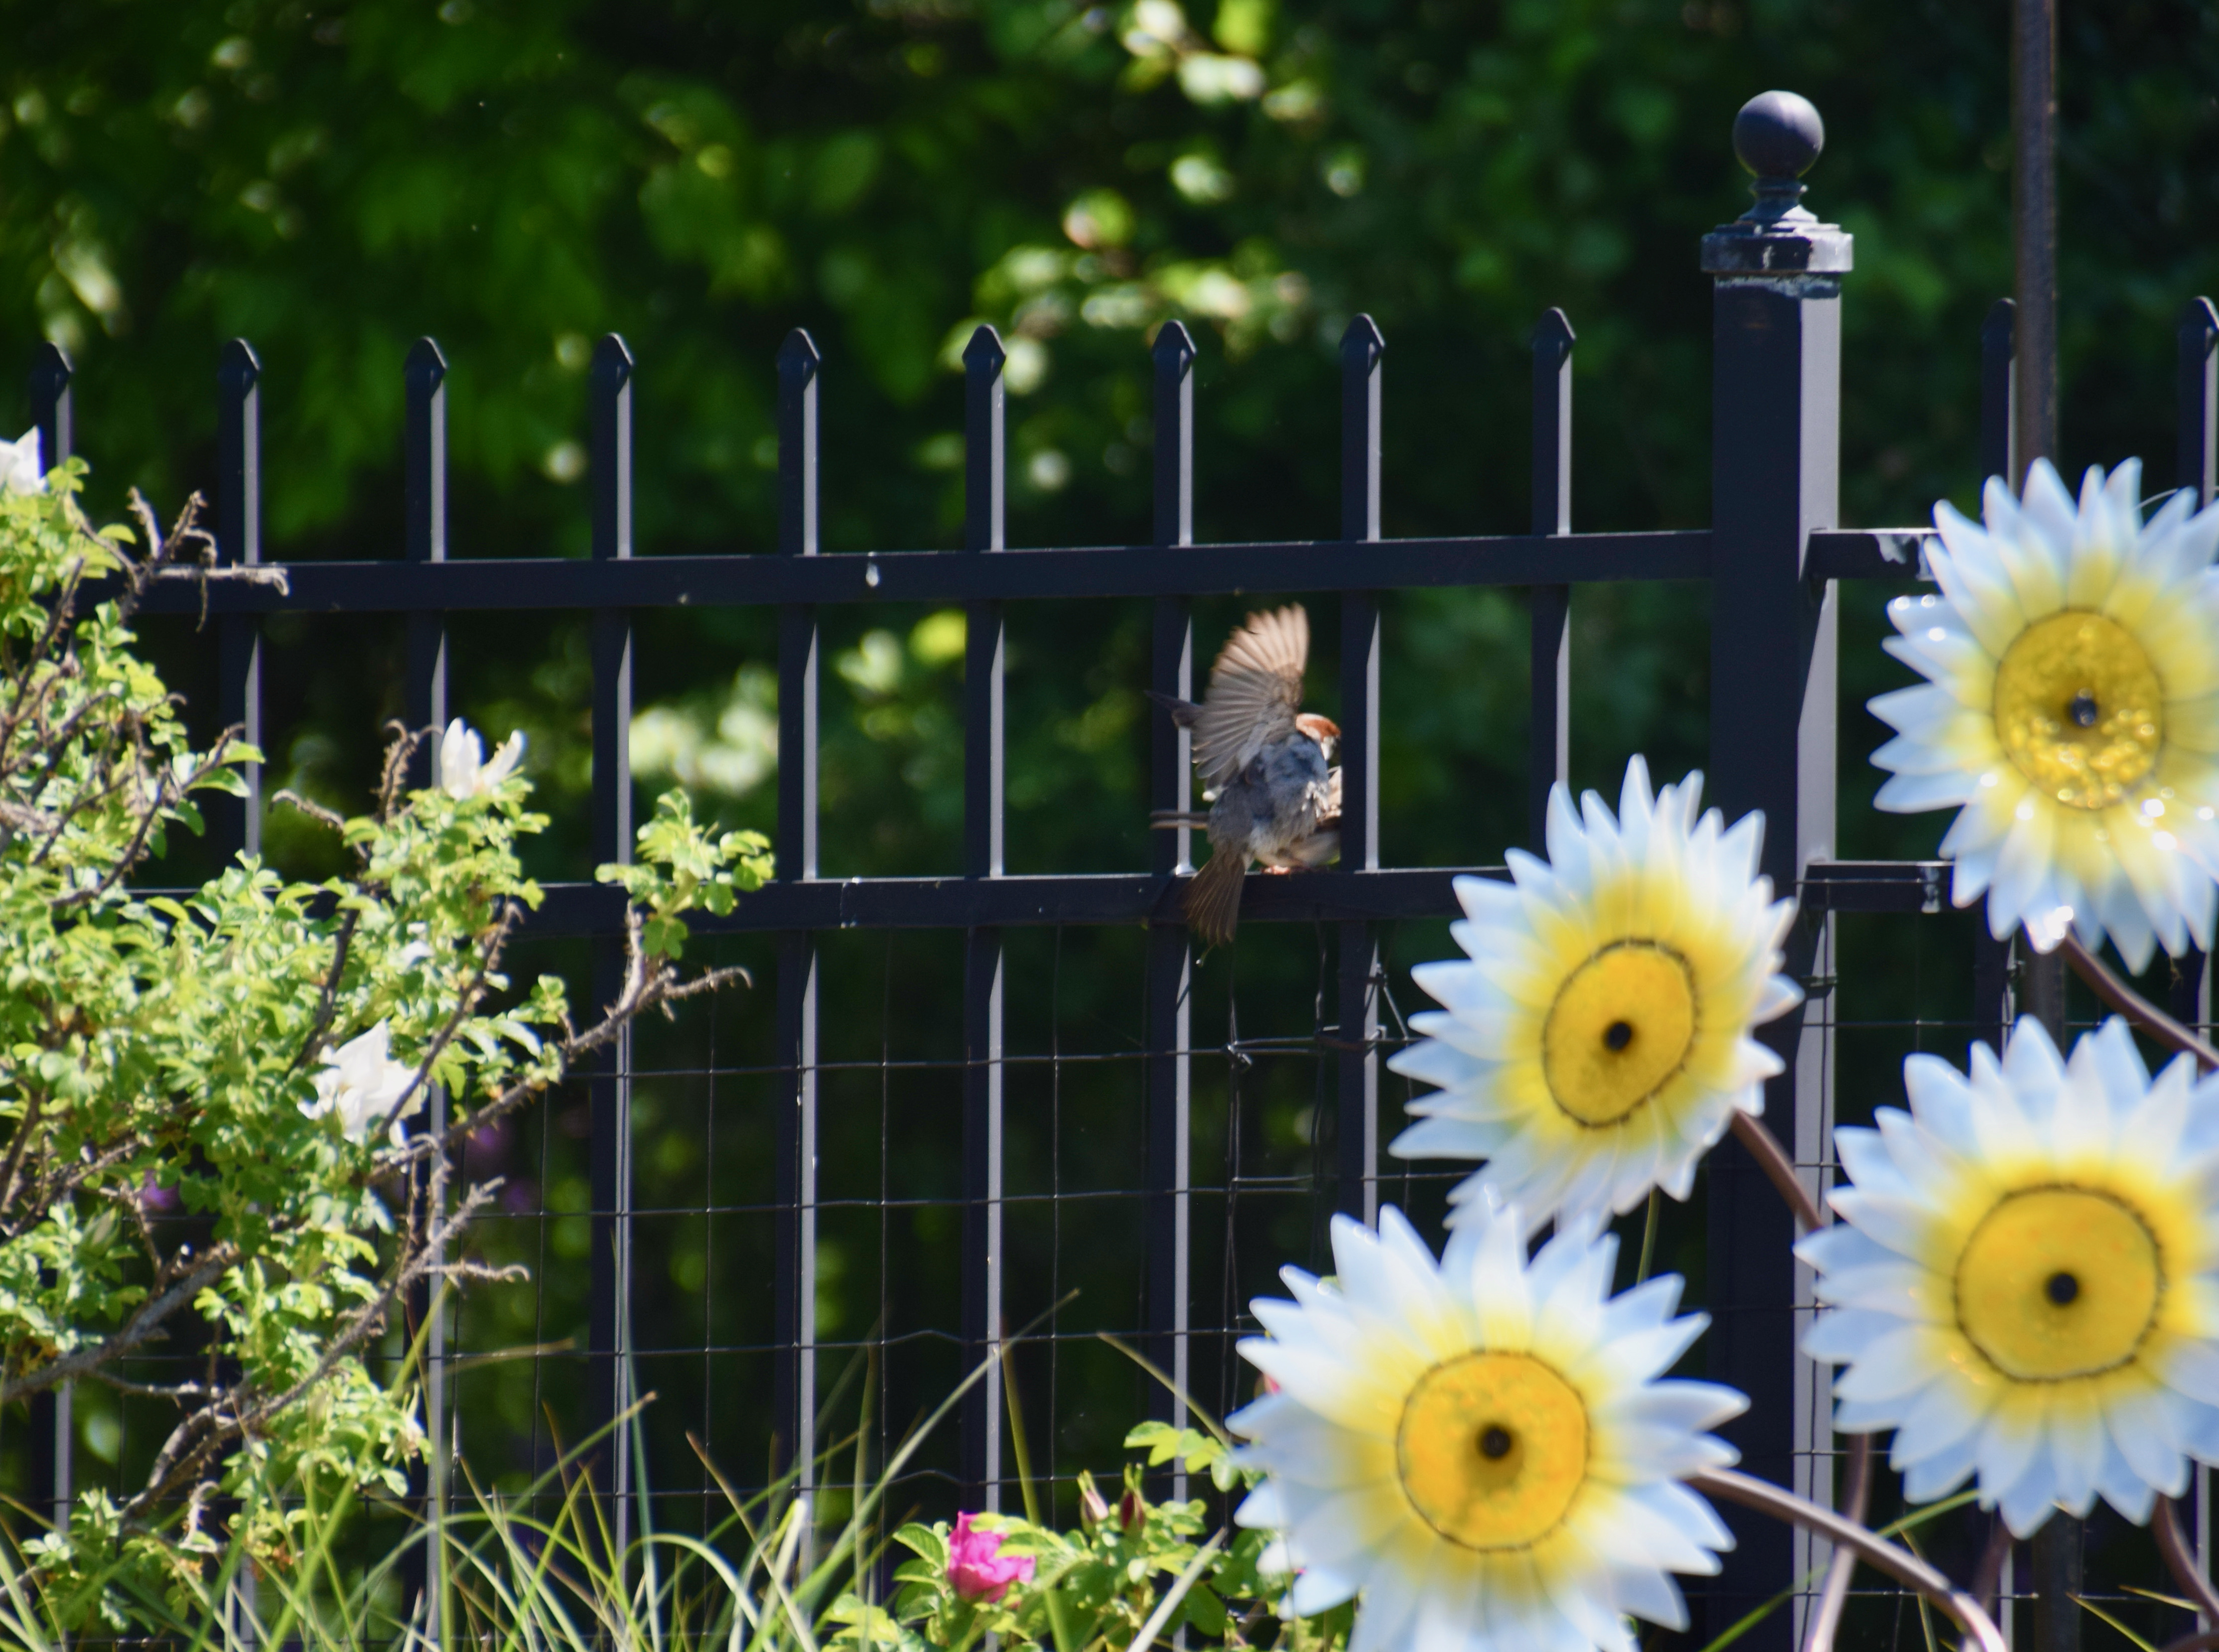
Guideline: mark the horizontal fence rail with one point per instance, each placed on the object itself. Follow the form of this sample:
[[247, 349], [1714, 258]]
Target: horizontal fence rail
[[1261, 569]]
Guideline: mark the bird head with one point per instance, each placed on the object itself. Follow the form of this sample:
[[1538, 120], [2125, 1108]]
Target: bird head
[[1323, 730]]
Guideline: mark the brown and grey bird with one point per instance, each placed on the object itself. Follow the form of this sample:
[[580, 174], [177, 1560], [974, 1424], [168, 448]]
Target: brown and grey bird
[[1266, 766]]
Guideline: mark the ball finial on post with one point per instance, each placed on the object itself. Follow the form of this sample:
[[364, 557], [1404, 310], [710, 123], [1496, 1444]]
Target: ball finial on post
[[1778, 135]]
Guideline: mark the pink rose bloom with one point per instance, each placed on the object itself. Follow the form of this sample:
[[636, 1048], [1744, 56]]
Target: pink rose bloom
[[977, 1566]]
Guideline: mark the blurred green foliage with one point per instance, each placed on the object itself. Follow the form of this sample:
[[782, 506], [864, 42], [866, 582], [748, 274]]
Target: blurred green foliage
[[516, 177]]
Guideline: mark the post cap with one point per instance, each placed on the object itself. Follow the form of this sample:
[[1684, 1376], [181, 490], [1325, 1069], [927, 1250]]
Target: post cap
[[1777, 135]]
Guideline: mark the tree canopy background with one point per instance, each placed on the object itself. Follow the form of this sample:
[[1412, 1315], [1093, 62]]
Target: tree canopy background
[[517, 177]]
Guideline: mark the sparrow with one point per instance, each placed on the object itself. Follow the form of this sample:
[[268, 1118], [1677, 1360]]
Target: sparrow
[[1265, 765]]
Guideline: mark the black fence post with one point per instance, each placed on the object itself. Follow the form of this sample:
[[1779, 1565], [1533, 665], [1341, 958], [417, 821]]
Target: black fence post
[[1775, 400], [1168, 1213], [52, 1423], [424, 382], [981, 1427], [794, 1424], [1357, 1118], [235, 823], [1549, 750], [609, 1332]]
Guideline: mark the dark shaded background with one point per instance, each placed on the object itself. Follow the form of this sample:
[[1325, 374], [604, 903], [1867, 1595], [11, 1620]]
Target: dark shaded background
[[517, 177]]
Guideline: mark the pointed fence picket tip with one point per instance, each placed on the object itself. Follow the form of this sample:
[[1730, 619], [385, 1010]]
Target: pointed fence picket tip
[[799, 348], [426, 365], [1364, 335], [1554, 326], [51, 362], [2200, 316], [1172, 342], [612, 358], [985, 347], [239, 367]]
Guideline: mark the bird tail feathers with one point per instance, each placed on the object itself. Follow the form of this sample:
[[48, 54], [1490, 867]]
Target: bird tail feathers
[[1212, 899]]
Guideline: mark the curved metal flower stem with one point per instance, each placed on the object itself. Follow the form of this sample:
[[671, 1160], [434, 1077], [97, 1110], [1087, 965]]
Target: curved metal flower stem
[[2180, 1560], [1898, 1564], [1772, 1159], [2138, 1011], [1835, 1594]]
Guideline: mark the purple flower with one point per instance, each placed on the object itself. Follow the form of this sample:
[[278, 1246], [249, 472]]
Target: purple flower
[[977, 1566], [154, 1198]]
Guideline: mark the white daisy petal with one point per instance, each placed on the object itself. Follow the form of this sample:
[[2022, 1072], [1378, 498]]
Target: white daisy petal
[[1511, 1488], [1596, 1042], [2070, 659], [2022, 1286]]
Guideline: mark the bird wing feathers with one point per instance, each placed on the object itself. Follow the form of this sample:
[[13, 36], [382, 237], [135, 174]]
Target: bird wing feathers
[[1255, 690]]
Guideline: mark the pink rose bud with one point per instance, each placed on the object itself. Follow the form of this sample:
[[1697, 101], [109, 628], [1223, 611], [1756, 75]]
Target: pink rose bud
[[1131, 1510], [977, 1566], [1091, 1507]]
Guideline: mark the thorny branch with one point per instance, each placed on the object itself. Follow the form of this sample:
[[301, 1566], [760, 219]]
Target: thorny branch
[[238, 1411], [143, 1326], [101, 745]]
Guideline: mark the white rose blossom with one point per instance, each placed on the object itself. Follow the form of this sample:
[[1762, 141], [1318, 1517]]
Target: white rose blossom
[[464, 770], [359, 1085], [21, 472]]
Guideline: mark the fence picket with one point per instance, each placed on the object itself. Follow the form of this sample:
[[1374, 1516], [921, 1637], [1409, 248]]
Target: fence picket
[[1168, 1175], [610, 1379], [1550, 750], [980, 1445], [1357, 1115], [794, 1447]]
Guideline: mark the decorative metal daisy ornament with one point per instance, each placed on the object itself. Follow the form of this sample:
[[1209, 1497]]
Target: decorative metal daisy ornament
[[1482, 1450], [2071, 711], [1596, 1042], [2025, 1281]]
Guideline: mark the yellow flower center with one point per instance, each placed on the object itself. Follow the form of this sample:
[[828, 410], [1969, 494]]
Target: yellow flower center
[[2059, 1282], [1620, 1028], [2079, 708], [1492, 1450]]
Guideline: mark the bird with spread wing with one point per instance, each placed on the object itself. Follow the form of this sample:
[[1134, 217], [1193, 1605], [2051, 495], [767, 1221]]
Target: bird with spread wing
[[1267, 768]]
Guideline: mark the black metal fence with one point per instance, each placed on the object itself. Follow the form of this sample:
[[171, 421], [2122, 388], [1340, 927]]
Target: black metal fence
[[1777, 562]]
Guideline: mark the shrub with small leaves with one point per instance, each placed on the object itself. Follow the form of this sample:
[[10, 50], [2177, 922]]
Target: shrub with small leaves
[[220, 1138]]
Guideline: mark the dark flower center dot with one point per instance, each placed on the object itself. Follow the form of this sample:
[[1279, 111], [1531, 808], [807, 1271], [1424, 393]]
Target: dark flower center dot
[[2062, 1288], [2082, 711], [1494, 1442], [1619, 1034]]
